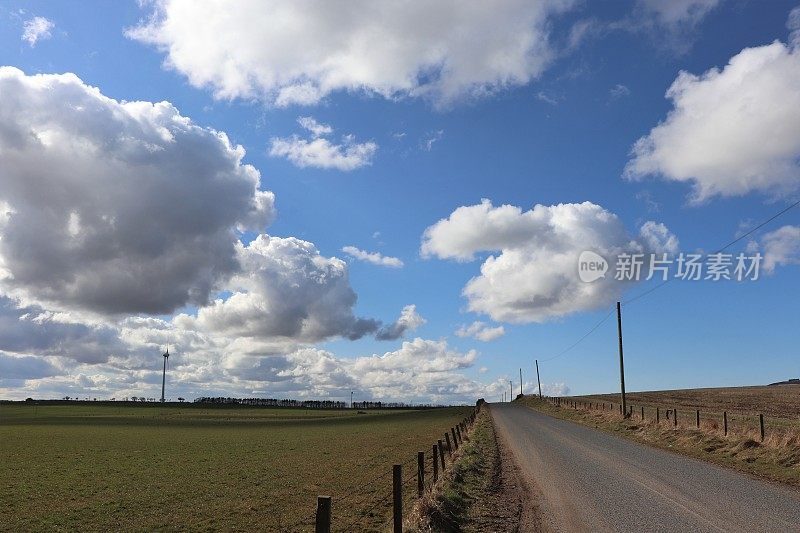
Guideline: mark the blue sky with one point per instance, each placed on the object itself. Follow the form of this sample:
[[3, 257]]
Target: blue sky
[[561, 135]]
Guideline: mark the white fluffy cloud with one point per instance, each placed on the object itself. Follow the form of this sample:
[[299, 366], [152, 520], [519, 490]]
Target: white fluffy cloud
[[481, 331], [37, 29], [731, 131], [781, 247], [422, 370], [286, 291], [375, 258], [287, 52], [419, 370], [535, 276], [317, 129], [320, 152], [553, 389], [115, 207]]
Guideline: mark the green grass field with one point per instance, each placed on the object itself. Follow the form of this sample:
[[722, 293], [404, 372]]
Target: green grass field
[[107, 467]]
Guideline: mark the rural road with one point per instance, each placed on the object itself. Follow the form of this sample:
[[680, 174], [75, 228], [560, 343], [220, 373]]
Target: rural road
[[588, 480]]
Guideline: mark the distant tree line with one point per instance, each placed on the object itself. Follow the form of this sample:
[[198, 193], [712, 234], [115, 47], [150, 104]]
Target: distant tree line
[[273, 402], [307, 404]]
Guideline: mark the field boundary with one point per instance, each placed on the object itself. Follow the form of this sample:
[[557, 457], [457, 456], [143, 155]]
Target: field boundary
[[397, 486]]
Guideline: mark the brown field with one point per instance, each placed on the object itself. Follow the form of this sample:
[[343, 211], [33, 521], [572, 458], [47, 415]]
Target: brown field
[[778, 401]]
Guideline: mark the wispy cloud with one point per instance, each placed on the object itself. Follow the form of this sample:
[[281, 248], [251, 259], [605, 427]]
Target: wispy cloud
[[430, 139], [37, 29], [375, 258], [546, 98], [619, 91], [481, 331], [317, 129], [321, 152]]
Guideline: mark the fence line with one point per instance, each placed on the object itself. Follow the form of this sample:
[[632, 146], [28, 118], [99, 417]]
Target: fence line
[[415, 469], [749, 421]]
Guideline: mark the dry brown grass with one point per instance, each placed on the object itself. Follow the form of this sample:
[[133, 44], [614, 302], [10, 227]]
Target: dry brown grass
[[777, 401], [468, 497], [776, 458]]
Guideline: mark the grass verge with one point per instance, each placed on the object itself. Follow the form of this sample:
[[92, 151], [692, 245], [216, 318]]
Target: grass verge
[[777, 458], [469, 497]]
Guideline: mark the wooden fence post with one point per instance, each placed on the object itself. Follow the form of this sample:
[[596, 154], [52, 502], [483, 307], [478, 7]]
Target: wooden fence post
[[449, 447], [697, 420], [455, 442], [642, 412], [725, 422], [397, 492], [675, 417], [761, 424], [441, 455], [658, 415], [323, 519], [420, 473], [435, 463], [458, 433]]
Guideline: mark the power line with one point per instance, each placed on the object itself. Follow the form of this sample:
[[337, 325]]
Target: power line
[[559, 354], [653, 289], [734, 241]]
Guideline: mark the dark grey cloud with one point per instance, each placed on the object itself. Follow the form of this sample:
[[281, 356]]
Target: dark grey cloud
[[116, 207], [25, 367], [34, 331]]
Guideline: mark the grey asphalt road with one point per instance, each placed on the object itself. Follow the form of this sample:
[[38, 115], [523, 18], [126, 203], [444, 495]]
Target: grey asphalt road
[[592, 481]]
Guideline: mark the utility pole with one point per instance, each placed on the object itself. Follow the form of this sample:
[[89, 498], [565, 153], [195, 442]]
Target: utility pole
[[520, 382], [511, 390], [621, 362], [538, 381], [351, 399]]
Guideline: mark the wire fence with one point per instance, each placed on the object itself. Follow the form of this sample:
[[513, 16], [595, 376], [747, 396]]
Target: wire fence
[[384, 500], [680, 415]]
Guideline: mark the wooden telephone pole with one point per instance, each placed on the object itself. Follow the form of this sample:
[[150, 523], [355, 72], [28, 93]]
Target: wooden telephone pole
[[538, 381], [621, 363], [520, 382]]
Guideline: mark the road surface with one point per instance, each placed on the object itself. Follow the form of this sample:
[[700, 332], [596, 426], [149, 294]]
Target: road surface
[[588, 480]]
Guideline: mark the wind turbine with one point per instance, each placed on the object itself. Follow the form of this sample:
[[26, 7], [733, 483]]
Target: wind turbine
[[164, 375]]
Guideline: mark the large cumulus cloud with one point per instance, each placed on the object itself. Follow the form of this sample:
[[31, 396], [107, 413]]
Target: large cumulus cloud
[[419, 370], [733, 130], [286, 290], [288, 52], [535, 275], [115, 207]]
